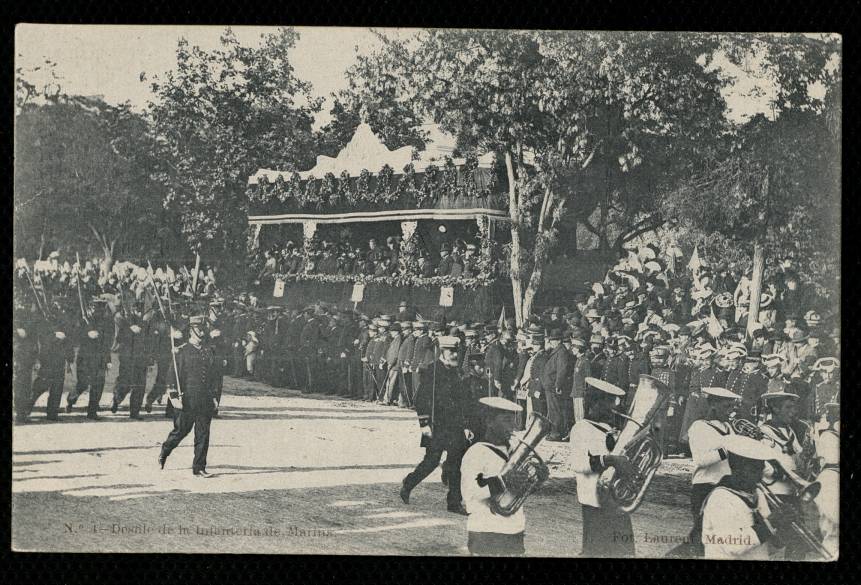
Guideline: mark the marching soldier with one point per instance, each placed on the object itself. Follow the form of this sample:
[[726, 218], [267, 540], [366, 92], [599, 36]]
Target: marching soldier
[[194, 363], [605, 532], [441, 405], [162, 350], [56, 355], [25, 352], [94, 358], [133, 357]]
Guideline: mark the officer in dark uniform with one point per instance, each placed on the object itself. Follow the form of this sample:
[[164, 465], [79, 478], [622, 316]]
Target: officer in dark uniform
[[194, 372], [423, 355], [442, 407], [556, 381], [309, 346], [500, 361]]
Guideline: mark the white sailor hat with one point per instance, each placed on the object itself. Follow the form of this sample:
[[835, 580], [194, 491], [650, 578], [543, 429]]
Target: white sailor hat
[[499, 403], [750, 448], [826, 364], [720, 392], [772, 395], [448, 341], [773, 359], [605, 386]]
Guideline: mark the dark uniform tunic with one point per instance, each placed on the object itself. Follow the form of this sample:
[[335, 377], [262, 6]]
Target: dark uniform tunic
[[133, 357], [750, 387], [54, 356], [556, 381], [24, 354], [94, 354], [442, 403], [501, 367], [194, 365]]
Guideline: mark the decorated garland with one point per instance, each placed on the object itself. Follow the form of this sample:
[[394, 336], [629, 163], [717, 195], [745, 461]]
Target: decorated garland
[[449, 181], [399, 280]]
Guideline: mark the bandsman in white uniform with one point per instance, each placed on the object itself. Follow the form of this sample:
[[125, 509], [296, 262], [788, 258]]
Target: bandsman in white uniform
[[488, 533], [605, 532], [706, 437], [778, 430], [737, 523], [828, 499]]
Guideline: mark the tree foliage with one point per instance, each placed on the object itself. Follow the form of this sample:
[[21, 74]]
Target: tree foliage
[[83, 175], [776, 180], [220, 115]]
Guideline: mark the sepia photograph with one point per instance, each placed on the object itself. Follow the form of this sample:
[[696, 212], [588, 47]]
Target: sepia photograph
[[426, 292]]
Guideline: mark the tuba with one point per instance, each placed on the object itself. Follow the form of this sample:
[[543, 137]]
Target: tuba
[[525, 471], [640, 443]]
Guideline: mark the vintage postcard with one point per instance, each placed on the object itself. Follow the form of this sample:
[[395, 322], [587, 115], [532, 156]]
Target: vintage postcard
[[427, 292]]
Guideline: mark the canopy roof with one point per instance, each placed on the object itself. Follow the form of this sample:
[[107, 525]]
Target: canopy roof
[[369, 182], [367, 151]]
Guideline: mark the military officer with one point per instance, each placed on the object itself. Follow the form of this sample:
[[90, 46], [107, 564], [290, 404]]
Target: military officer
[[499, 359], [194, 387], [220, 349], [441, 405], [423, 354], [745, 380], [369, 374]]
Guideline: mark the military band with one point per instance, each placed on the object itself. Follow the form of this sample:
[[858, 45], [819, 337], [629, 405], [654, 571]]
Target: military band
[[475, 383]]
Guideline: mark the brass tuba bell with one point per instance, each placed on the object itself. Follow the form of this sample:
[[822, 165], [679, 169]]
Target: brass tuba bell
[[639, 442]]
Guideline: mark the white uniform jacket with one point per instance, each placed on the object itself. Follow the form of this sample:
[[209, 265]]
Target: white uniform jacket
[[488, 460], [589, 441], [705, 438]]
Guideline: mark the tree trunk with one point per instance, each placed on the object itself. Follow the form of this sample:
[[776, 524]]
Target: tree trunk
[[755, 285], [514, 267]]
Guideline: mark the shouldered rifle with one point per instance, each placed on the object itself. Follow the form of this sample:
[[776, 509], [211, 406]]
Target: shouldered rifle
[[177, 406]]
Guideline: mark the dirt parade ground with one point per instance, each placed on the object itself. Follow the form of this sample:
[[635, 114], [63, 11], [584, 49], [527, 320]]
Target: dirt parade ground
[[293, 473]]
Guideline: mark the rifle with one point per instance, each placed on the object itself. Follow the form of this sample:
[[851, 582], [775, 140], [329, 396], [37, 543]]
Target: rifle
[[42, 308], [170, 336], [80, 293]]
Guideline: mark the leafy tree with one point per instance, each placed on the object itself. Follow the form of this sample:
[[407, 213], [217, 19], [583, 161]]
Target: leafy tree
[[219, 116], [83, 175], [377, 95], [557, 105], [775, 186]]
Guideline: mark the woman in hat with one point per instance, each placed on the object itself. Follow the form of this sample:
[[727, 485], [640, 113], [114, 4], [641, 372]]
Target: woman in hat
[[606, 533]]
